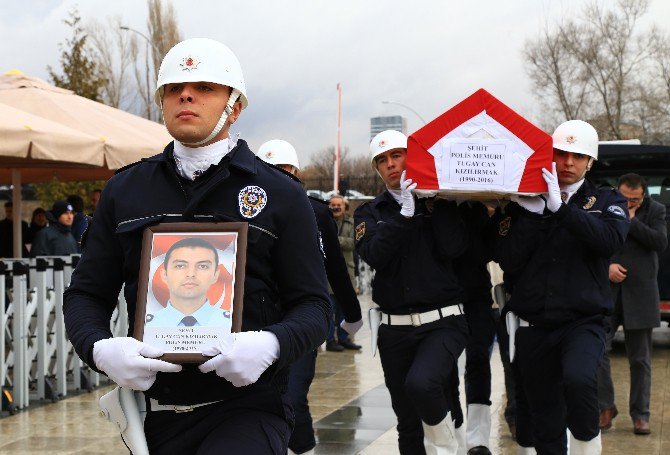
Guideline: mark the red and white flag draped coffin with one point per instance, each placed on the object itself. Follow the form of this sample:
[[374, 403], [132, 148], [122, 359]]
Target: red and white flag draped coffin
[[479, 146]]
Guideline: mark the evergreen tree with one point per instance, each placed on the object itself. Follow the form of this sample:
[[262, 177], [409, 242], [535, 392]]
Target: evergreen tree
[[80, 72]]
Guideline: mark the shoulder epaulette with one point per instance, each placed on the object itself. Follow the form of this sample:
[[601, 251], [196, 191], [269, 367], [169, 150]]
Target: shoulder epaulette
[[318, 200], [126, 167]]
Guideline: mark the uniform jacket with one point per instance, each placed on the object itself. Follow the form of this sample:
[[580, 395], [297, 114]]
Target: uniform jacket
[[285, 284], [470, 267], [7, 238], [339, 283], [54, 240], [647, 238], [345, 234], [412, 257], [559, 262]]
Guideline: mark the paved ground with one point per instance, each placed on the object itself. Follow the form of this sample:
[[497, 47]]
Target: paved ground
[[351, 408]]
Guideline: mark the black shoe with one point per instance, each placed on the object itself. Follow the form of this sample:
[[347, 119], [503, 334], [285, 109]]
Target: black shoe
[[479, 450], [334, 346], [347, 344]]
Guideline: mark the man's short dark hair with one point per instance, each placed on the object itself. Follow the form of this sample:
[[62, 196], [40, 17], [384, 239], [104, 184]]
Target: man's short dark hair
[[97, 190], [633, 181], [191, 242]]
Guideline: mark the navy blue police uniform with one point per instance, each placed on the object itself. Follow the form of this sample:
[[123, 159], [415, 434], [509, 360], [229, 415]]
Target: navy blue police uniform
[[302, 371], [414, 274], [285, 292], [474, 277], [560, 291]]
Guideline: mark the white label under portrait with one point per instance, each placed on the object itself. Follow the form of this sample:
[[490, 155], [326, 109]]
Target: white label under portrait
[[182, 340]]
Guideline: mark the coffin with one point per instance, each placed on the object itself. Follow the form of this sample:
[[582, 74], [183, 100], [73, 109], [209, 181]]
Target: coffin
[[480, 149]]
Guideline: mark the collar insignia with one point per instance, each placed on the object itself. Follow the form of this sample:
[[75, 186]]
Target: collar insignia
[[589, 202], [360, 231]]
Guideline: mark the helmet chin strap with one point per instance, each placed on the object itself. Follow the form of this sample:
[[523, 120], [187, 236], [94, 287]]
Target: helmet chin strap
[[234, 96]]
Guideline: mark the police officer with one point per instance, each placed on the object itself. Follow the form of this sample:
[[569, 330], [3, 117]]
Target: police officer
[[283, 155], [235, 403], [474, 277], [411, 244], [558, 253]]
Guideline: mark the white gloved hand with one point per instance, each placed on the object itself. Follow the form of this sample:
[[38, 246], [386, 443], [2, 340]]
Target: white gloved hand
[[243, 363], [130, 363], [406, 196], [352, 327], [533, 204], [554, 191]]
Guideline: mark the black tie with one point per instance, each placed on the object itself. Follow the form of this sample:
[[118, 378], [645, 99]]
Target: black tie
[[189, 321]]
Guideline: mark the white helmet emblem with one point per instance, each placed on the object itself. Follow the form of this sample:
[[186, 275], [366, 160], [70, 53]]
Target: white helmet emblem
[[189, 63]]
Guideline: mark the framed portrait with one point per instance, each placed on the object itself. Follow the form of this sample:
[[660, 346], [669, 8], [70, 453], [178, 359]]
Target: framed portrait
[[191, 287]]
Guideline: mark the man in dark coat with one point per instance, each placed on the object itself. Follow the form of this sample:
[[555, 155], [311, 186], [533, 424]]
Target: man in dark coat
[[633, 271], [235, 402], [7, 233], [283, 155], [56, 239]]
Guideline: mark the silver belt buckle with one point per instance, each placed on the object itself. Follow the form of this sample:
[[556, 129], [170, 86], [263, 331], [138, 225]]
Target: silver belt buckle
[[416, 319], [180, 409]]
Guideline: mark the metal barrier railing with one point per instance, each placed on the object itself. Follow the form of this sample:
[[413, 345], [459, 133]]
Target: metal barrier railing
[[37, 362]]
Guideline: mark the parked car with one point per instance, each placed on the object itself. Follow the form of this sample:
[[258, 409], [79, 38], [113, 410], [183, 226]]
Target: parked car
[[317, 194], [653, 163], [351, 194]]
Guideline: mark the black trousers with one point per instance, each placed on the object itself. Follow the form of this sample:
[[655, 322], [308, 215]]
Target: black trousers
[[482, 325], [251, 424], [300, 379], [421, 373], [510, 383], [558, 370]]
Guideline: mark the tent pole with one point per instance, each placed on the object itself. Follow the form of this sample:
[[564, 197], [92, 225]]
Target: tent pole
[[16, 199]]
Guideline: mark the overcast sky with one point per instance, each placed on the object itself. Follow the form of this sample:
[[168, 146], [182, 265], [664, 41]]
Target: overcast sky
[[428, 55]]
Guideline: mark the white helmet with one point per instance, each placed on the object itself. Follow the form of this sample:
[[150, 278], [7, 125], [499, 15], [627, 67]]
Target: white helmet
[[279, 152], [384, 141], [203, 60], [576, 136]]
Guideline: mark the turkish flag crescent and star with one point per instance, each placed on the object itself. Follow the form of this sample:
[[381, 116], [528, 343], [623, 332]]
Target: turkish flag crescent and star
[[479, 145]]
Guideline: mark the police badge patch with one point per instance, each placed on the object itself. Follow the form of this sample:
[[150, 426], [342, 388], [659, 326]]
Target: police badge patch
[[589, 202], [360, 231], [503, 227], [618, 211], [251, 200]]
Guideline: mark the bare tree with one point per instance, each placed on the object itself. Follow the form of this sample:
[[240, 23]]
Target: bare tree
[[112, 49], [599, 68], [163, 30], [163, 33], [129, 55], [355, 172], [552, 69]]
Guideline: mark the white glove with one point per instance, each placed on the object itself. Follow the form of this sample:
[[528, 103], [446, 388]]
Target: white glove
[[533, 204], [130, 363], [554, 191], [406, 196], [352, 327], [243, 363]]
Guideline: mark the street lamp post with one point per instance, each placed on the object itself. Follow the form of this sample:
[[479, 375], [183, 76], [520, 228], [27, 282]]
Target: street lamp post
[[406, 107]]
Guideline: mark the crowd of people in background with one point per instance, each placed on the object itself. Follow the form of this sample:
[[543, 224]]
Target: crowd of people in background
[[54, 232]]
